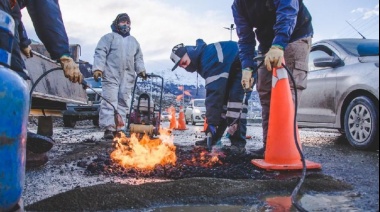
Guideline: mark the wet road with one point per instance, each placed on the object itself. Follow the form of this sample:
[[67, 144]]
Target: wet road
[[339, 160]]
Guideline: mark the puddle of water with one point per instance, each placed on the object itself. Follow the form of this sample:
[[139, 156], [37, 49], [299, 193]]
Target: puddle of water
[[206, 208], [318, 202]]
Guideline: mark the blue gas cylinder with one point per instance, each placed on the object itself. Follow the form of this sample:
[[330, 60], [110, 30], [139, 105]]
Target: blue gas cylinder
[[14, 110]]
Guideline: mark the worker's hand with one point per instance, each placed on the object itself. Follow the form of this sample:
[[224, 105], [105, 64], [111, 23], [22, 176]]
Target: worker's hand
[[71, 69], [98, 74], [247, 79], [143, 75], [27, 51], [274, 58]]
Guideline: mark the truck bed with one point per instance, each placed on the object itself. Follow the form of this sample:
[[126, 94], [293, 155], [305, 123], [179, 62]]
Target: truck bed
[[54, 90]]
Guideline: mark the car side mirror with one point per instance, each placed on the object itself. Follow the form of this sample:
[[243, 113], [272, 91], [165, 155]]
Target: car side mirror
[[330, 61]]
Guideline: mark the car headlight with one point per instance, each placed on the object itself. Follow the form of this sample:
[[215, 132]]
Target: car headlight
[[197, 111]]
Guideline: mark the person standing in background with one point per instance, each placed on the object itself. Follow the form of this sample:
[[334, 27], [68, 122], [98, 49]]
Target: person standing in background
[[117, 60]]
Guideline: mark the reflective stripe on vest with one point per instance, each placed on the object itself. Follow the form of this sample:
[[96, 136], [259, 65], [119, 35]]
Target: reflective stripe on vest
[[216, 77], [219, 50]]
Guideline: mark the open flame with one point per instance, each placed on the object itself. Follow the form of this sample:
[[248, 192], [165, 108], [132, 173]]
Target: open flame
[[144, 154], [207, 159]]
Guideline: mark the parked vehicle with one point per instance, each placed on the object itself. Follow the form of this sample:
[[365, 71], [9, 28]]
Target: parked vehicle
[[165, 116], [195, 112], [89, 111], [343, 90]]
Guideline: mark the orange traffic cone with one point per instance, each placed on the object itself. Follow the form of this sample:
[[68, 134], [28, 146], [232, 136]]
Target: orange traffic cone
[[280, 203], [281, 151], [173, 121], [181, 120], [205, 125]]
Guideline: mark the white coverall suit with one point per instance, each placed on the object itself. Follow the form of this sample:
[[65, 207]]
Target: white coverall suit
[[121, 60]]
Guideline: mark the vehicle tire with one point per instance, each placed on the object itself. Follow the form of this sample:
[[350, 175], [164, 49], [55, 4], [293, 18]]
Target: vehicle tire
[[192, 121], [361, 123], [69, 122], [95, 122]]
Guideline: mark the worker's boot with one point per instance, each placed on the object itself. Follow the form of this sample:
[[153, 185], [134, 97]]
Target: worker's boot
[[35, 160], [38, 144], [108, 134]]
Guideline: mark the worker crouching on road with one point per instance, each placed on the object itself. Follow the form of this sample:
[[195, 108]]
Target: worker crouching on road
[[219, 65], [118, 58]]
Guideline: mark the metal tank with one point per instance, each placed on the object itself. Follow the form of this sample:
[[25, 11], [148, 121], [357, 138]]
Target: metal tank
[[14, 110]]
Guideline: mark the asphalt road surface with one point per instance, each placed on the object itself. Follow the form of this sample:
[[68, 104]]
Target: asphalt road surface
[[348, 181]]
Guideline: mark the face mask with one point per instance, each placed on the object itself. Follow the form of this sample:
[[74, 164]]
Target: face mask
[[124, 29]]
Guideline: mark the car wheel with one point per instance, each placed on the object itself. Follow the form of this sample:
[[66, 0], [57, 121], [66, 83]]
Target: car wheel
[[69, 122], [361, 123], [95, 122], [192, 121]]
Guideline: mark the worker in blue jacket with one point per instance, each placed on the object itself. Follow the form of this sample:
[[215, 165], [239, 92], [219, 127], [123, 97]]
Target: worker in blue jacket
[[219, 64], [284, 30], [47, 20]]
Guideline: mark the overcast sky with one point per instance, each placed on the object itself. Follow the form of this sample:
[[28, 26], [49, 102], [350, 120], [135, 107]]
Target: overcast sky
[[158, 25]]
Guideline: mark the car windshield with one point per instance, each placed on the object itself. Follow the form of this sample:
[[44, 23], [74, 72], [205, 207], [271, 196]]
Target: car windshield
[[199, 103], [92, 83], [360, 47]]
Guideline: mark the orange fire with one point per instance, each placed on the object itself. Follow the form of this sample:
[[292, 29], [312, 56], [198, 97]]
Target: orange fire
[[207, 159], [146, 153]]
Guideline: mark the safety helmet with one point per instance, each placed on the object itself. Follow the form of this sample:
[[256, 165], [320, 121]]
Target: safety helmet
[[178, 52]]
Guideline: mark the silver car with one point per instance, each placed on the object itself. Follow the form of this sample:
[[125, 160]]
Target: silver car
[[343, 90]]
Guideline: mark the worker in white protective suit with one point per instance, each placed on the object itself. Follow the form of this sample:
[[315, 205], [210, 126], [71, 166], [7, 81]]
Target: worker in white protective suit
[[117, 60]]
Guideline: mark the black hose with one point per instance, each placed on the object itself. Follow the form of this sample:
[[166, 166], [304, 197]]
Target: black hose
[[40, 78], [298, 187]]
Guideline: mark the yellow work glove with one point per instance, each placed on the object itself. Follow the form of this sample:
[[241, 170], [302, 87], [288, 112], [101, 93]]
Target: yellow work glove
[[27, 51], [71, 69], [274, 58], [247, 79], [98, 74], [143, 75]]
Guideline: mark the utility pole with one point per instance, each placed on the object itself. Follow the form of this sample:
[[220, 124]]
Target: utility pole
[[231, 29]]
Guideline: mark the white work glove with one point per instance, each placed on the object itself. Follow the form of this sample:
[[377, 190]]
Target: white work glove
[[71, 69], [143, 75], [98, 74], [274, 58], [27, 51], [247, 79]]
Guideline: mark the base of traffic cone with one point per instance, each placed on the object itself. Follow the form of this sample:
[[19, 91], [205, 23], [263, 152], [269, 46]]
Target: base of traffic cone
[[181, 129], [294, 166], [281, 151], [205, 125]]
